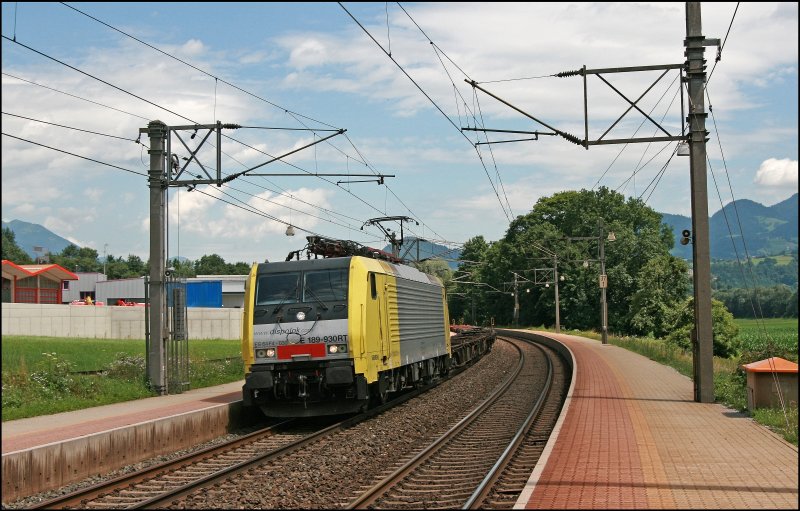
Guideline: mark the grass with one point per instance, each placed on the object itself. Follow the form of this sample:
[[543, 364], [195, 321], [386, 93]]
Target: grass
[[767, 338], [41, 374]]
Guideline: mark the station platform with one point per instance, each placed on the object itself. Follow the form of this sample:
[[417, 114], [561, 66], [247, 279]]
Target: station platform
[[51, 451], [38, 431], [631, 437]]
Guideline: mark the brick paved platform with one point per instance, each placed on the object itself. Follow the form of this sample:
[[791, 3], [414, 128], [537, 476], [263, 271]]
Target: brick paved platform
[[632, 437]]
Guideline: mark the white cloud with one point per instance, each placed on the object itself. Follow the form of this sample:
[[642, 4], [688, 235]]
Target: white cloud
[[777, 173], [192, 48], [324, 66], [311, 52]]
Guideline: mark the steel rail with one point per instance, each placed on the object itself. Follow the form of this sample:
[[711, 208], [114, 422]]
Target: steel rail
[[77, 497], [488, 482], [81, 497], [372, 494]]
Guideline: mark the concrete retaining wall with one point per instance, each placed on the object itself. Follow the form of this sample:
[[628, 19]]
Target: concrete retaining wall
[[55, 465], [111, 322]]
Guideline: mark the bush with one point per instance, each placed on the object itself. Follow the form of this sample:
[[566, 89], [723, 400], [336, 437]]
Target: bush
[[52, 375], [127, 367], [725, 331]]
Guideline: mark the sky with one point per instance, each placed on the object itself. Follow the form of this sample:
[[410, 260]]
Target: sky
[[394, 77]]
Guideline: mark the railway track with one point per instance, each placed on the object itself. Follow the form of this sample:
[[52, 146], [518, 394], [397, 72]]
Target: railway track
[[215, 476], [133, 490], [485, 459], [158, 485]]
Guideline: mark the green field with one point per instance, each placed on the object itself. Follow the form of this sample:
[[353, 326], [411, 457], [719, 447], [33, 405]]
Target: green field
[[780, 260], [41, 375], [760, 339], [96, 354]]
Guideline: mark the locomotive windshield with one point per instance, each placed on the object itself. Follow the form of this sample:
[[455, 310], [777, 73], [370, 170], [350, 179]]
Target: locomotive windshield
[[325, 285], [274, 288]]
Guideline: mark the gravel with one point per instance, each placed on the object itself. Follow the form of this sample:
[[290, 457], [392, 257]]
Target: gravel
[[331, 472]]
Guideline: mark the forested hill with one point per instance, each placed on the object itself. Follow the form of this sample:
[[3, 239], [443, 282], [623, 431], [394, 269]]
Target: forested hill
[[30, 235], [768, 230]]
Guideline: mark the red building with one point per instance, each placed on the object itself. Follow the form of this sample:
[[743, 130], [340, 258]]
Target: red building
[[34, 283]]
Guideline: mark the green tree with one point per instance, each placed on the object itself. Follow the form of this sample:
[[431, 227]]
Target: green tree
[[439, 268], [12, 251], [791, 306], [211, 265], [570, 224], [724, 330], [183, 268], [136, 266], [465, 299], [662, 284], [239, 268], [75, 258]]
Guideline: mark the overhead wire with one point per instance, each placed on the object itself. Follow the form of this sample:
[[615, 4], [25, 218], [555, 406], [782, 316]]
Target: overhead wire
[[144, 145], [170, 111], [194, 67], [73, 154], [76, 97], [98, 79], [136, 141], [426, 95], [103, 81], [439, 52], [290, 112], [719, 53]]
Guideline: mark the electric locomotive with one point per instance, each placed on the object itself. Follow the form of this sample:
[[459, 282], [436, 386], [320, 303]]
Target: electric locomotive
[[328, 336]]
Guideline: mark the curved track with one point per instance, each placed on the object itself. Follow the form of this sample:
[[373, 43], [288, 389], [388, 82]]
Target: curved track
[[470, 463], [483, 461]]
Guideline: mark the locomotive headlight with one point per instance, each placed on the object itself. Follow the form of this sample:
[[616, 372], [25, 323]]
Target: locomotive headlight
[[337, 348], [265, 353]]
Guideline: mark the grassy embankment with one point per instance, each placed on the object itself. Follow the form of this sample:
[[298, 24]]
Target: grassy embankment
[[44, 375], [758, 340]]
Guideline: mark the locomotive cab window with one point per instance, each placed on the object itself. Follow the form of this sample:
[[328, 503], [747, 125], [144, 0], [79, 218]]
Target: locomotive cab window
[[373, 287], [325, 286], [275, 288]]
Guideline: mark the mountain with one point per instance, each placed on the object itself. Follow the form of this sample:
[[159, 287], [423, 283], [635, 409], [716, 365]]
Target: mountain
[[768, 230], [28, 236], [411, 251]]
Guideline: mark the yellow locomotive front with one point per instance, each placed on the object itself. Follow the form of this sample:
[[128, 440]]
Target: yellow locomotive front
[[295, 340], [324, 336]]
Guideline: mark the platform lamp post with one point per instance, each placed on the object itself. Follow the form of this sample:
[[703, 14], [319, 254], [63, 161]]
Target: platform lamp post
[[603, 277], [604, 281], [556, 280], [105, 259]]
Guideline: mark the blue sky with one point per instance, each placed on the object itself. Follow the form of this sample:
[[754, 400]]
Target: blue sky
[[315, 62]]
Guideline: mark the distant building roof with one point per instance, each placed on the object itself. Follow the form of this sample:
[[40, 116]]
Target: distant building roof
[[51, 271], [220, 277]]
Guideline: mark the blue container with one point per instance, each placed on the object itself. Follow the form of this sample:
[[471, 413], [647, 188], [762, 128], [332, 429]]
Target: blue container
[[206, 293]]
